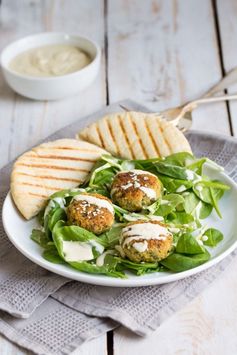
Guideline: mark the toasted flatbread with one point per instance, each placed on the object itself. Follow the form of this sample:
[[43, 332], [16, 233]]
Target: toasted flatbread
[[136, 135], [50, 167]]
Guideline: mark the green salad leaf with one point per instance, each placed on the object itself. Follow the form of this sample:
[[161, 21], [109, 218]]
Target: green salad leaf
[[181, 262], [188, 197], [187, 244], [214, 236]]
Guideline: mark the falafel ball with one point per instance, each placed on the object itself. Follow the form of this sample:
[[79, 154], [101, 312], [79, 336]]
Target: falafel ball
[[146, 241], [135, 189], [91, 211]]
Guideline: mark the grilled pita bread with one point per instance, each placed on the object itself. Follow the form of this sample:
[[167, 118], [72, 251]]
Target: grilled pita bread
[[136, 135], [48, 168]]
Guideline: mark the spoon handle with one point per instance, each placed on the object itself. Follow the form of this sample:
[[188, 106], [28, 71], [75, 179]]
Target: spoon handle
[[229, 79], [193, 104], [206, 100]]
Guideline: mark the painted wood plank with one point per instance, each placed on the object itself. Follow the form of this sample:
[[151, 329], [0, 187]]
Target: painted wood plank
[[227, 14], [205, 327], [163, 53], [97, 346], [24, 121]]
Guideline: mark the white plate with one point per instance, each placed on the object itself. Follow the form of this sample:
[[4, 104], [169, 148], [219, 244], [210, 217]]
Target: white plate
[[19, 230]]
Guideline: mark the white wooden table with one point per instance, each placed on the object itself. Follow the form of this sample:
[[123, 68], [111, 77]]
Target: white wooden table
[[160, 53]]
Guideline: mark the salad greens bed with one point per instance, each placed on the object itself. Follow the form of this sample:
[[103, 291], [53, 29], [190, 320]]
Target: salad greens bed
[[188, 198]]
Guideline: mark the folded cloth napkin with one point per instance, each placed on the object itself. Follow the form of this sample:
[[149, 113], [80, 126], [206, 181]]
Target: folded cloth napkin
[[50, 314]]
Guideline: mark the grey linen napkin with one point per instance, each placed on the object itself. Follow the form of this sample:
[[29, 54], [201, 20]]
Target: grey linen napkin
[[60, 315]]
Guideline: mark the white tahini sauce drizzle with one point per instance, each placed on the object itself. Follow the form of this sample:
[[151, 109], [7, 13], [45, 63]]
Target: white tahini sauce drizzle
[[181, 188], [93, 200], [147, 231], [190, 174], [149, 192], [101, 259], [137, 172], [98, 247], [140, 246], [77, 251], [199, 187], [60, 200], [164, 202], [174, 230]]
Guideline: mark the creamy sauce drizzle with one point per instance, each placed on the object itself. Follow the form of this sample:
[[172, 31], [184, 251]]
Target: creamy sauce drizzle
[[149, 192], [60, 200], [99, 202], [147, 231], [101, 259], [50, 60], [140, 246], [77, 251], [137, 172]]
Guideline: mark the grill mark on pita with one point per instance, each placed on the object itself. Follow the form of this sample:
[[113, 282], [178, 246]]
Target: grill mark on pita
[[37, 195], [152, 138], [42, 186], [165, 140], [126, 136], [70, 148], [113, 136], [100, 136], [61, 158], [52, 167], [137, 134], [48, 177]]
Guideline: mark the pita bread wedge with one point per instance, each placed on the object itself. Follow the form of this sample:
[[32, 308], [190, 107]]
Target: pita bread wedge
[[48, 168], [136, 135]]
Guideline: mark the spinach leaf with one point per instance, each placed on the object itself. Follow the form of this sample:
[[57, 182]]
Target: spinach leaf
[[205, 210], [214, 237], [168, 204], [62, 233], [67, 193], [57, 215], [193, 204], [94, 269], [52, 256], [40, 238], [174, 171], [197, 166], [181, 262], [40, 217], [204, 194], [187, 244], [179, 159], [190, 202], [180, 218], [174, 185], [111, 238], [137, 268]]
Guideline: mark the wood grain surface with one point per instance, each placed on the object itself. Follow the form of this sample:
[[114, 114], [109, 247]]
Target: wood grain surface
[[160, 53]]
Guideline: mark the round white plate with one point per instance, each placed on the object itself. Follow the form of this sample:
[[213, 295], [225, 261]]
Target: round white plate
[[19, 230]]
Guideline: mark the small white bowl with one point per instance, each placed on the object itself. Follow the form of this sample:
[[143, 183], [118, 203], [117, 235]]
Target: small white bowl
[[50, 88]]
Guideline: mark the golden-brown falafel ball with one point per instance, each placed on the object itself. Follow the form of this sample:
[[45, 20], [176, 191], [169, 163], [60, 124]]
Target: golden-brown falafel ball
[[93, 212], [146, 241], [135, 189]]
